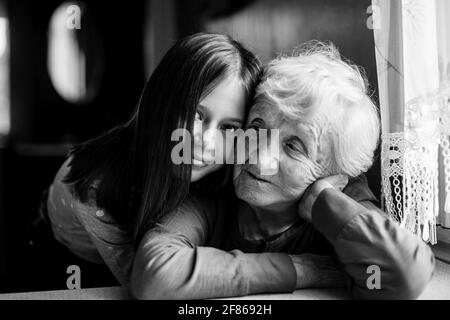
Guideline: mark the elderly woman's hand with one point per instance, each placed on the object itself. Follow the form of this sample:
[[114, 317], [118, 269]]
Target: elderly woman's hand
[[312, 192]]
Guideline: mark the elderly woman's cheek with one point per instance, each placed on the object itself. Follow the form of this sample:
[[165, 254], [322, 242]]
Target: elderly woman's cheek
[[300, 174]]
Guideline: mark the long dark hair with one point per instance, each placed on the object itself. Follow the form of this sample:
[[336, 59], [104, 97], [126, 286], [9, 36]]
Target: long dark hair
[[131, 164]]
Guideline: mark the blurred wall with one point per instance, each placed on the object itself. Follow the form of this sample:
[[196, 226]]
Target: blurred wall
[[3, 273], [39, 113], [43, 124], [3, 150], [160, 31]]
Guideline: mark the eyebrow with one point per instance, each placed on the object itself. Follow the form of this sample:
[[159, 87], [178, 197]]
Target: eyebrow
[[232, 119], [257, 119], [235, 120]]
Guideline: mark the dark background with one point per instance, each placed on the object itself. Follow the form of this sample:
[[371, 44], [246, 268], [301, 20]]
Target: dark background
[[126, 41]]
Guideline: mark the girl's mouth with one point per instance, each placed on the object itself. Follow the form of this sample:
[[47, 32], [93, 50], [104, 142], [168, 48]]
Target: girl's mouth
[[198, 163]]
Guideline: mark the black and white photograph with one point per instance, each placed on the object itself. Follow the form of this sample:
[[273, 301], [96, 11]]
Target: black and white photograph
[[244, 150]]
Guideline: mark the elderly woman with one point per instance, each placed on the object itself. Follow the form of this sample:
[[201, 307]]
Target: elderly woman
[[303, 226]]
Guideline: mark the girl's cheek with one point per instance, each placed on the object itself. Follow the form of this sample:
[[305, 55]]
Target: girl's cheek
[[197, 137], [229, 151]]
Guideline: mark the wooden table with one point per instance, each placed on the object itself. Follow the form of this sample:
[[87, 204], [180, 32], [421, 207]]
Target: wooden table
[[438, 289]]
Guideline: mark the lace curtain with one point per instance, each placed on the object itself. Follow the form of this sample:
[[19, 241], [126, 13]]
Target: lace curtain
[[412, 47]]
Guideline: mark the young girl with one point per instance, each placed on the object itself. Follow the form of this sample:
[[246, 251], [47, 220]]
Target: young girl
[[115, 187]]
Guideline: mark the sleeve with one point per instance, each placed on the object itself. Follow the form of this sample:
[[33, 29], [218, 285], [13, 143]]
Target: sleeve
[[173, 263], [86, 230], [117, 256], [111, 242], [362, 236]]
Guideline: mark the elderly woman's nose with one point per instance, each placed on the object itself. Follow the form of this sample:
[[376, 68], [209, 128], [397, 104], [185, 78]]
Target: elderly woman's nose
[[268, 161]]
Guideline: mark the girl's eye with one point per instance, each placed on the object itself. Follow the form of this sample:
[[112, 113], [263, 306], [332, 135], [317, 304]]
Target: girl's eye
[[198, 116], [228, 127]]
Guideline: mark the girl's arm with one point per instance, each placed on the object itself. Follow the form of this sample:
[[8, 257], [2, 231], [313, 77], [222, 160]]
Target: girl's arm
[[173, 263]]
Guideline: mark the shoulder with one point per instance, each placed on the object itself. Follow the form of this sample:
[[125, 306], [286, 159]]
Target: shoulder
[[60, 190], [60, 183], [63, 170], [86, 210]]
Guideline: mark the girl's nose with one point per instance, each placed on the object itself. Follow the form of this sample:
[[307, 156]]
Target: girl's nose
[[210, 137]]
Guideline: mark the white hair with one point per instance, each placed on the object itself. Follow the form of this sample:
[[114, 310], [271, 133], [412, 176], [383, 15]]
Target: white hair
[[315, 83]]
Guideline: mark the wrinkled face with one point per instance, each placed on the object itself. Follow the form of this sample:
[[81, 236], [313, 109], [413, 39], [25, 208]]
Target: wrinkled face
[[303, 151], [222, 110]]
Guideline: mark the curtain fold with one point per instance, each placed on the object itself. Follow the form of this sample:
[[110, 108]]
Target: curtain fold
[[414, 107], [443, 36]]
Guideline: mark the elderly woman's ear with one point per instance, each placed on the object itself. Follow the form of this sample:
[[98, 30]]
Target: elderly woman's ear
[[311, 194]]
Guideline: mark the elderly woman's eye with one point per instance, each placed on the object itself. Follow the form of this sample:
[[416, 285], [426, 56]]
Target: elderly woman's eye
[[292, 147], [295, 147]]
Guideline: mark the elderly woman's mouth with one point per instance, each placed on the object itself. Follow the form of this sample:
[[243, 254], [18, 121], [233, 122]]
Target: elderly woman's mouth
[[256, 177]]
